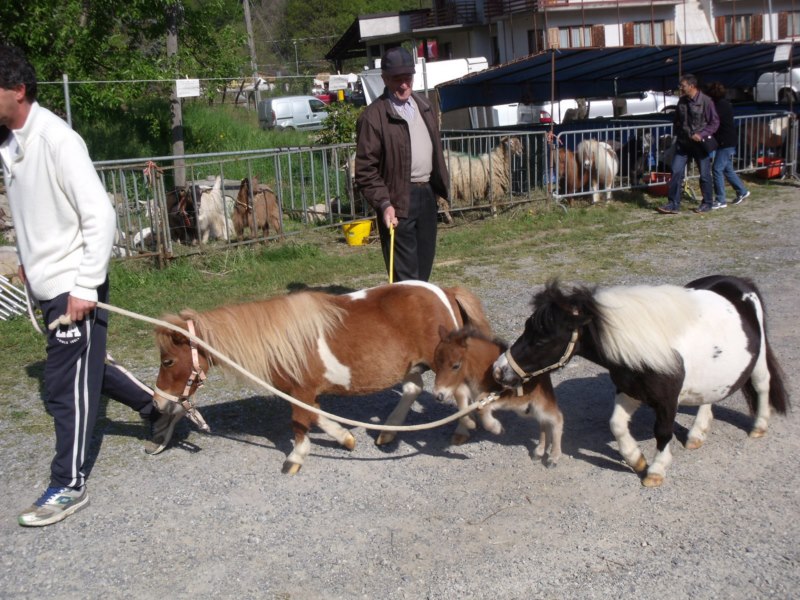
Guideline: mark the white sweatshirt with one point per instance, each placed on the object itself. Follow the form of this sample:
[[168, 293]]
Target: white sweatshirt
[[62, 215]]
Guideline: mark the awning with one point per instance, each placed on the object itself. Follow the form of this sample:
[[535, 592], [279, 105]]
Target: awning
[[606, 72]]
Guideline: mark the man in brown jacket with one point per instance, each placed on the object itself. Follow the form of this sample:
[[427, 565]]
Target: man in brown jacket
[[400, 168]]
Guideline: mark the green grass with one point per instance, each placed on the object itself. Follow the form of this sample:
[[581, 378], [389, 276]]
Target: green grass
[[229, 128]]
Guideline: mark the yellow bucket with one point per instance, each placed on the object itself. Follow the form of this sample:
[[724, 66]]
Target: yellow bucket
[[356, 232]]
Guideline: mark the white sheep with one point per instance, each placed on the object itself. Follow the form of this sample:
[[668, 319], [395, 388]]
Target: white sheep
[[473, 179]]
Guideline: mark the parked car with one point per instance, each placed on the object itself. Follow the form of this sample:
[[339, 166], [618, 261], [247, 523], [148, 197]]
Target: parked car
[[635, 103], [778, 86], [292, 112], [532, 114], [326, 97]]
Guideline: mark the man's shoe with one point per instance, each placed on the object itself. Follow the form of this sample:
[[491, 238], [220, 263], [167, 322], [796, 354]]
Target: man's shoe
[[718, 205], [739, 199], [56, 504], [667, 209], [703, 208], [163, 429]]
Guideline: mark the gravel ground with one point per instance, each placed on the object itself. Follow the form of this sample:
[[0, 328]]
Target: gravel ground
[[213, 516]]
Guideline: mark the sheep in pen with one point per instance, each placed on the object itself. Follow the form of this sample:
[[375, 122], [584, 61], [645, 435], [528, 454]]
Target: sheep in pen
[[487, 176]]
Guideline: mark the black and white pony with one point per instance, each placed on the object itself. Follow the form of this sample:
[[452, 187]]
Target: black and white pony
[[662, 345]]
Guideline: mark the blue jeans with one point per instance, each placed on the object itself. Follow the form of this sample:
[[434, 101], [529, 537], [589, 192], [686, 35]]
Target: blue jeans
[[722, 170], [679, 162]]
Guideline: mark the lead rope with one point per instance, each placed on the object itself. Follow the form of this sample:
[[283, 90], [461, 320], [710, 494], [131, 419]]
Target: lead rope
[[65, 320], [391, 254]]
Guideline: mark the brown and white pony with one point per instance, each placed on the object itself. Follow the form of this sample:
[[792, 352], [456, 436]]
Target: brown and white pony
[[463, 364], [592, 166], [600, 165], [302, 344], [258, 211]]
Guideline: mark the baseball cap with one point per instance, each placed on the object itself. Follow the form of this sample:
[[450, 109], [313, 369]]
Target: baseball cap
[[397, 61]]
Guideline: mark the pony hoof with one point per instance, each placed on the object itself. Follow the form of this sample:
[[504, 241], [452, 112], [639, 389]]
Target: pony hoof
[[641, 465], [758, 433], [653, 481], [385, 438], [458, 439], [693, 443], [349, 442], [291, 468], [550, 464]]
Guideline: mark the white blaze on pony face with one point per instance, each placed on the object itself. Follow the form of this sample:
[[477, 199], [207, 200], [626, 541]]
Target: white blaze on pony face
[[335, 371], [717, 339], [503, 373]]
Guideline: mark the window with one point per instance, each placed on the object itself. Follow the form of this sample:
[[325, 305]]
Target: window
[[738, 28], [648, 33], [574, 37], [535, 41], [789, 24]]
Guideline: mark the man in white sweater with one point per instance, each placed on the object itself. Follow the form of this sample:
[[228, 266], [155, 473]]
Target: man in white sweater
[[64, 226]]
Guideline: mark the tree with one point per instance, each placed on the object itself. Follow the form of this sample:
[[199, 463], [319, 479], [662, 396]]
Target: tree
[[122, 48]]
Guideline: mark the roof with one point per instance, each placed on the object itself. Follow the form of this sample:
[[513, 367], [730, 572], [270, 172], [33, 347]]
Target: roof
[[605, 72]]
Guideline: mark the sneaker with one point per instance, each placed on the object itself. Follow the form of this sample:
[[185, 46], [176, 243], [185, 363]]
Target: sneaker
[[56, 504], [703, 208], [163, 428], [717, 205], [741, 198], [667, 209]]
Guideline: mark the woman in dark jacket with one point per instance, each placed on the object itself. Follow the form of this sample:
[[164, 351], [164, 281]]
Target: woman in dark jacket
[[722, 168]]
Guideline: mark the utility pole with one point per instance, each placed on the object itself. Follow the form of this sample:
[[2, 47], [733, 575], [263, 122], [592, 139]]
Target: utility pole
[[251, 43], [174, 11]]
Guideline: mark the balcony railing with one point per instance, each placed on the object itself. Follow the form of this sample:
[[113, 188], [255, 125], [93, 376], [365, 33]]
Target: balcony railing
[[500, 8]]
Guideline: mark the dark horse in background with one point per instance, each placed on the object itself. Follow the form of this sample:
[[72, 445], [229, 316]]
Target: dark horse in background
[[662, 345], [182, 208]]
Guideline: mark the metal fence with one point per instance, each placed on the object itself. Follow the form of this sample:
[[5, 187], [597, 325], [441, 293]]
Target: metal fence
[[767, 146], [488, 169]]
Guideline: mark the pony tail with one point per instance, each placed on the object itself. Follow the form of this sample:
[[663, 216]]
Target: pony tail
[[778, 396], [471, 310]]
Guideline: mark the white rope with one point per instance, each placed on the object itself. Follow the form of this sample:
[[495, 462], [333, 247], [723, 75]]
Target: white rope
[[464, 411]]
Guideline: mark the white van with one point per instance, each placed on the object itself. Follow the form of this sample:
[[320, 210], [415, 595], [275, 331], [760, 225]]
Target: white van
[[292, 112], [778, 86], [635, 103]]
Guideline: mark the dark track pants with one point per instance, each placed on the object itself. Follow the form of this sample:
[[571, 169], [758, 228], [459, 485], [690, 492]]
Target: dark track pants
[[75, 375], [414, 237]]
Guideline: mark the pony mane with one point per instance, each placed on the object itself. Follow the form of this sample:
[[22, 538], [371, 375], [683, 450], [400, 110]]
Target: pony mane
[[638, 325], [269, 337], [471, 331]]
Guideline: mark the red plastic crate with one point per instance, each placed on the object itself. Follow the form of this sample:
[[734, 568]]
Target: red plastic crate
[[657, 183], [772, 167]]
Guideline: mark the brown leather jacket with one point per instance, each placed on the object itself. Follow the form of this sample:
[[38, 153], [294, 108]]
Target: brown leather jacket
[[383, 156]]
